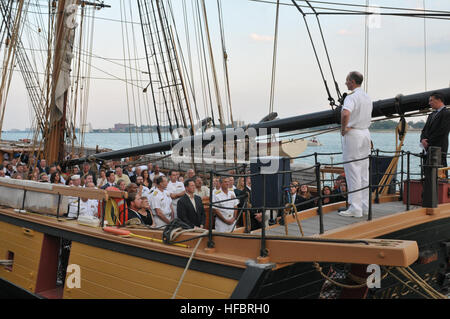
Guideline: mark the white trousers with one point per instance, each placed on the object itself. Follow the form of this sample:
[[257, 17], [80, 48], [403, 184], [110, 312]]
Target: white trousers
[[356, 145]]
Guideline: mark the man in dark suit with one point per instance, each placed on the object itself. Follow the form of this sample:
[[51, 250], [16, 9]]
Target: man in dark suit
[[436, 129], [190, 207], [110, 177]]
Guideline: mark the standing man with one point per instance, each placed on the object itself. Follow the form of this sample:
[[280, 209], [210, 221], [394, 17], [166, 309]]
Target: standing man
[[175, 189], [226, 213], [190, 207], [436, 129], [161, 203], [200, 189], [356, 116]]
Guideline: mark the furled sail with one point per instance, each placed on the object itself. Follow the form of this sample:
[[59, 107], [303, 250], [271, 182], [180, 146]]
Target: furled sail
[[63, 66]]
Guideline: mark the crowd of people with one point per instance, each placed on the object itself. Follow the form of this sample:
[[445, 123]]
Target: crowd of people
[[155, 199], [300, 194]]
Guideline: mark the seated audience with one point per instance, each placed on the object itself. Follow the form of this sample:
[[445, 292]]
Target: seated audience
[[326, 190], [304, 195]]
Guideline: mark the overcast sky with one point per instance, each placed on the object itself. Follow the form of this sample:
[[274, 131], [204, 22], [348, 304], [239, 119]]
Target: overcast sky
[[396, 59]]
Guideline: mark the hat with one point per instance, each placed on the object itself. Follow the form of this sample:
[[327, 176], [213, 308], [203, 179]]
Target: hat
[[75, 177]]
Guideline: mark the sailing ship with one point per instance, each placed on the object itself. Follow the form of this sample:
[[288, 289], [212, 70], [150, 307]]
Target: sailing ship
[[108, 260]]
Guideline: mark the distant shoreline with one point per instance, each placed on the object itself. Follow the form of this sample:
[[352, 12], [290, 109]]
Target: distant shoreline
[[372, 130]]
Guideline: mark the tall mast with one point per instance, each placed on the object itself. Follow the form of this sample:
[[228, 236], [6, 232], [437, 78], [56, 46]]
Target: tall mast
[[65, 27], [65, 32]]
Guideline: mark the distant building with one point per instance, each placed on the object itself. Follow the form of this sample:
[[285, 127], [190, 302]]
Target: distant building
[[120, 126]]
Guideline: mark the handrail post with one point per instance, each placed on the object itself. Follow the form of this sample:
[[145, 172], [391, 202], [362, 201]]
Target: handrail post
[[319, 203], [23, 199], [57, 208], [263, 250], [370, 188], [377, 197], [210, 236], [430, 184], [78, 209], [104, 213], [401, 177], [408, 180]]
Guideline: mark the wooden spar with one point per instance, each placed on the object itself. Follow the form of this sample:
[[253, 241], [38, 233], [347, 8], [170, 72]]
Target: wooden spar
[[386, 108], [54, 141]]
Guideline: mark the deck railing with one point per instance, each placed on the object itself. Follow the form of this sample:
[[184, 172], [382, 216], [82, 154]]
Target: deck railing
[[397, 181]]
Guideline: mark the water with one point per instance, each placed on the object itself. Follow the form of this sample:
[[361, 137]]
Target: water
[[331, 143]]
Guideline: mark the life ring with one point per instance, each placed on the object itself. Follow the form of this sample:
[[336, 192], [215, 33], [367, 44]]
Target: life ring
[[116, 231]]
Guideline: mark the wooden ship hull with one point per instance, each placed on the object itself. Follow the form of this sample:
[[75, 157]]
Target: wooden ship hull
[[114, 267]]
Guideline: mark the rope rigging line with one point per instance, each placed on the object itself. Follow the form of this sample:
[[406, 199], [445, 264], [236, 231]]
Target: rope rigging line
[[330, 98], [274, 58], [225, 61], [202, 59], [440, 15], [125, 72], [189, 78], [425, 47], [339, 95], [142, 18], [213, 66], [366, 51]]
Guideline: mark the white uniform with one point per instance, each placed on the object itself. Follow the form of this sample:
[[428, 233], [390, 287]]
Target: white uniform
[[356, 145], [175, 188], [161, 199], [88, 208], [219, 195], [146, 193]]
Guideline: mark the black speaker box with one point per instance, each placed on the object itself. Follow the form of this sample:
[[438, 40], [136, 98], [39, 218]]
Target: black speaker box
[[275, 182]]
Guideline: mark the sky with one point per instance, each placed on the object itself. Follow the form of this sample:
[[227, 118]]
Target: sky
[[396, 59]]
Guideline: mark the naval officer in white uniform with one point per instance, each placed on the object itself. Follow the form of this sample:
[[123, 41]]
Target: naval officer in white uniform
[[175, 189], [161, 203], [226, 216], [356, 117]]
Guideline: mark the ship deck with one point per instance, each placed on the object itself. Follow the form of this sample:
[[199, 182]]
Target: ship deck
[[332, 221]]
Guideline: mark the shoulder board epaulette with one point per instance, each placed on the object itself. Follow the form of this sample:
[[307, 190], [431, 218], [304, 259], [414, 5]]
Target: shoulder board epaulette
[[218, 191]]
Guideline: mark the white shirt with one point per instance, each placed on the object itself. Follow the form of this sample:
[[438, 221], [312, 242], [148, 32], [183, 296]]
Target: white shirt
[[204, 192], [175, 188], [360, 107], [193, 201], [161, 200], [146, 192], [293, 196], [219, 195], [88, 208]]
